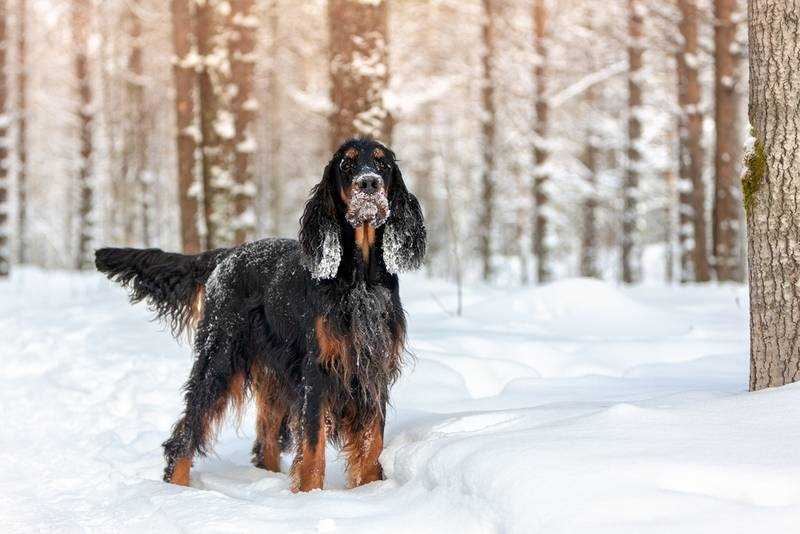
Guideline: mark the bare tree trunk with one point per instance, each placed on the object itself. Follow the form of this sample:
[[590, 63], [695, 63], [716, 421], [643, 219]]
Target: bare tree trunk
[[669, 227], [5, 260], [136, 127], [216, 126], [80, 31], [589, 238], [771, 189], [488, 125], [685, 208], [244, 23], [691, 136], [727, 230], [630, 209], [22, 130], [540, 153], [188, 132], [275, 181], [359, 70]]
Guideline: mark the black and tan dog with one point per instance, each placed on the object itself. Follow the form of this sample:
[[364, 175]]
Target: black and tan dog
[[312, 328]]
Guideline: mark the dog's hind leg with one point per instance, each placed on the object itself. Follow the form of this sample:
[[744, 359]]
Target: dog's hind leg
[[213, 386], [271, 420]]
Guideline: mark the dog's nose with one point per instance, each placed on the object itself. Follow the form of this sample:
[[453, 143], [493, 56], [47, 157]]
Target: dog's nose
[[369, 183]]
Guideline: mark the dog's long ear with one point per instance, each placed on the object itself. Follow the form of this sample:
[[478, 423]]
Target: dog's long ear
[[320, 232], [404, 237]]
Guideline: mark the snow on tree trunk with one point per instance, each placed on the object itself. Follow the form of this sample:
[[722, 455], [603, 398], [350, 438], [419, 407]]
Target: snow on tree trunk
[[216, 122], [488, 125], [359, 70], [685, 210], [691, 137], [275, 179], [136, 132], [771, 187], [5, 263], [243, 22], [540, 153], [80, 31], [727, 208], [630, 209], [184, 65], [22, 131]]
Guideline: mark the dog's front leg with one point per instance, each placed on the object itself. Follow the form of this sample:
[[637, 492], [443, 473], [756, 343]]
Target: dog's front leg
[[308, 469]]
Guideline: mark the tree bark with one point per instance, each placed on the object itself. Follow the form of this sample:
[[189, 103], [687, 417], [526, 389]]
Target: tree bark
[[275, 180], [691, 136], [188, 133], [5, 261], [488, 127], [589, 244], [359, 70], [540, 153], [80, 31], [771, 188], [726, 231], [215, 126], [22, 131], [243, 23], [630, 215]]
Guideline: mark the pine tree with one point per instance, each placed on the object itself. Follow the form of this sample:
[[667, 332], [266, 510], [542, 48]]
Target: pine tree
[[488, 128], [184, 67], [727, 210], [5, 263], [771, 188], [22, 130], [630, 216], [359, 70], [80, 30], [540, 153], [691, 136]]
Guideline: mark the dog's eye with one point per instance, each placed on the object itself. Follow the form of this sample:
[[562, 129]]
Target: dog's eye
[[380, 164], [346, 164]]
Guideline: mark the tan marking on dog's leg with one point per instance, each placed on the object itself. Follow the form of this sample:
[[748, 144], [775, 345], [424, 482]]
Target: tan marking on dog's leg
[[180, 475], [308, 469], [362, 451]]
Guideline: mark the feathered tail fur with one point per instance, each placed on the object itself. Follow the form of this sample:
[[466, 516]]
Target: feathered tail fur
[[171, 283]]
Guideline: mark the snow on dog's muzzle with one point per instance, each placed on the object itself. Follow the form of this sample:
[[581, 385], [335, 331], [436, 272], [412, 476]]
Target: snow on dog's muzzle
[[368, 202]]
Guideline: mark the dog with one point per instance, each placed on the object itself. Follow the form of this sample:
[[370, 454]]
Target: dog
[[312, 329]]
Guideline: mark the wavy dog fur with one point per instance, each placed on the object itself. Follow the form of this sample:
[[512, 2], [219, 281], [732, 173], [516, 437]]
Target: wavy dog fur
[[313, 329]]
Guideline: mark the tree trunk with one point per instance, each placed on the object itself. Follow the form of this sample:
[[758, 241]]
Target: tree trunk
[[359, 70], [727, 210], [216, 126], [691, 136], [188, 133], [244, 23], [5, 260], [275, 180], [589, 238], [540, 153], [80, 31], [771, 188], [488, 125], [22, 131], [136, 128], [630, 215]]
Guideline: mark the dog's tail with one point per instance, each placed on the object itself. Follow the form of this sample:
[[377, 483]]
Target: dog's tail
[[173, 284]]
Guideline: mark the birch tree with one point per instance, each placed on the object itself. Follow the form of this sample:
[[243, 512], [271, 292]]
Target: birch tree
[[5, 263], [771, 186], [540, 152], [80, 30], [630, 215], [726, 227], [359, 70]]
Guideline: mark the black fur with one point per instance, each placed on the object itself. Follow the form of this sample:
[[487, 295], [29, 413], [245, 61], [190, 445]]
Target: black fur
[[266, 303]]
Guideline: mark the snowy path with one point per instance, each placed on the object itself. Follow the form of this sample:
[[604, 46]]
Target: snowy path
[[576, 407]]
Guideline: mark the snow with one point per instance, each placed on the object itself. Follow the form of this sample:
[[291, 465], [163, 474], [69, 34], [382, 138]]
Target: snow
[[578, 406]]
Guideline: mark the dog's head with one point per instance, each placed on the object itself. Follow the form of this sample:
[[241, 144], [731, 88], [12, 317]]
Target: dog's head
[[362, 186]]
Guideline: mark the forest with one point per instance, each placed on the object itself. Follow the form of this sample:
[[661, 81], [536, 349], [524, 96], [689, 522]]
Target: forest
[[544, 139]]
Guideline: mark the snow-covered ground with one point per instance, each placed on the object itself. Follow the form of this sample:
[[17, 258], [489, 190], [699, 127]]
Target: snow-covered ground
[[574, 407]]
